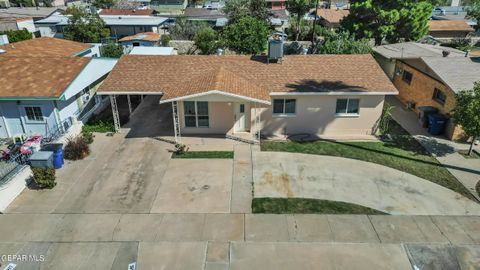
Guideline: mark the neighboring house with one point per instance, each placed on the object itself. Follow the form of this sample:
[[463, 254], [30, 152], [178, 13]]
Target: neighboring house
[[388, 55], [335, 4], [31, 12], [445, 29], [46, 86], [17, 23], [169, 4], [330, 18], [241, 96], [149, 39], [153, 51], [212, 16], [120, 26], [279, 19], [277, 4], [127, 12], [433, 81]]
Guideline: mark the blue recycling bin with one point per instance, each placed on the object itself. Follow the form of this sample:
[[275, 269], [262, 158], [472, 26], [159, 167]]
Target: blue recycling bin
[[436, 124], [57, 150]]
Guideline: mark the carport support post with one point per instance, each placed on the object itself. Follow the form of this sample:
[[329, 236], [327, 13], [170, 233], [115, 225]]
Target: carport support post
[[129, 104], [176, 122], [116, 118]]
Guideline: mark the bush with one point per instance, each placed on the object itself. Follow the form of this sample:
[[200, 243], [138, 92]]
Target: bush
[[206, 40], [44, 177], [76, 148], [87, 136], [180, 149], [165, 40], [102, 126], [111, 50], [17, 35]]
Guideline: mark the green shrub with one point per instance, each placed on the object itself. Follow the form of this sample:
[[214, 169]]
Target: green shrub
[[87, 136], [76, 148], [180, 149], [17, 35], [165, 40], [111, 50], [44, 177], [99, 126]]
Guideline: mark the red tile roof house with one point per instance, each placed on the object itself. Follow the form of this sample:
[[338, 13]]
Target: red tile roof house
[[241, 96]]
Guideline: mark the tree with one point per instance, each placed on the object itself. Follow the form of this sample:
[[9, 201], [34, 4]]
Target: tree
[[17, 35], [341, 42], [237, 9], [103, 3], [247, 36], [473, 12], [207, 41], [85, 27], [467, 112], [298, 8], [184, 29], [111, 50], [392, 20]]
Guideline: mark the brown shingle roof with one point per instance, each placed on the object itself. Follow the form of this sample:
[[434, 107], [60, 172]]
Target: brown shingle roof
[[138, 12], [332, 15], [38, 76], [43, 47], [446, 25], [146, 36], [182, 75]]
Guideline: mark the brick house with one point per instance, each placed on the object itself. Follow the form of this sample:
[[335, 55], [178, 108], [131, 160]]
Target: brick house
[[433, 81]]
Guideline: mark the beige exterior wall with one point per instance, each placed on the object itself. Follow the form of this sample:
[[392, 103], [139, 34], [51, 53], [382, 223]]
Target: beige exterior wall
[[316, 115], [220, 119]]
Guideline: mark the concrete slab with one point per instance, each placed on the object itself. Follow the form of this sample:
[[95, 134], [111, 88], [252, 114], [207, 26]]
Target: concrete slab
[[432, 256], [430, 231], [85, 227], [28, 227], [181, 227], [223, 227], [126, 254], [172, 256], [352, 229], [323, 256], [397, 229], [80, 255], [471, 226], [195, 186], [452, 230], [216, 266], [468, 256], [242, 183], [218, 252], [261, 227], [309, 228], [137, 227]]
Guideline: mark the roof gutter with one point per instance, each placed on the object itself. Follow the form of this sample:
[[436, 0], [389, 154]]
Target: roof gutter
[[216, 92], [334, 93], [128, 93]]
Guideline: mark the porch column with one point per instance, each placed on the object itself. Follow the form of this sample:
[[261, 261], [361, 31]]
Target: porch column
[[129, 104], [176, 122], [116, 117]]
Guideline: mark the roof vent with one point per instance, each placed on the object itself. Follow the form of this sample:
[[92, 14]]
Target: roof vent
[[275, 48], [445, 53]]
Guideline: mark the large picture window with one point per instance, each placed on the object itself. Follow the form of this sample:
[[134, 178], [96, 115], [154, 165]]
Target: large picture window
[[196, 113], [34, 113], [348, 106], [284, 106]]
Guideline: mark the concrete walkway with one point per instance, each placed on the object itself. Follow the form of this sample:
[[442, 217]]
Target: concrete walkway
[[234, 241], [467, 171], [288, 175]]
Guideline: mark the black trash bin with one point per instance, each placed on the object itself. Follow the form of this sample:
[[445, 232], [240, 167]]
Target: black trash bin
[[425, 111], [436, 124], [56, 148]]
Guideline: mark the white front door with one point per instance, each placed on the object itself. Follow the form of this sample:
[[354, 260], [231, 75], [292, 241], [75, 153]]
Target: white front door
[[239, 117]]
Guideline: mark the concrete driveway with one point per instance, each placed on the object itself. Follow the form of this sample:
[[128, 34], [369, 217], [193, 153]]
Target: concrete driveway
[[339, 179], [132, 172]]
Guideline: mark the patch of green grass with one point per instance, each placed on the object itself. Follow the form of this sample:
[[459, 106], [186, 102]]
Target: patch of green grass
[[474, 154], [98, 126], [308, 206], [403, 153], [205, 154]]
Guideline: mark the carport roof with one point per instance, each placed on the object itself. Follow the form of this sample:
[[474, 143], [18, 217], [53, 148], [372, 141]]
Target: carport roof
[[180, 76]]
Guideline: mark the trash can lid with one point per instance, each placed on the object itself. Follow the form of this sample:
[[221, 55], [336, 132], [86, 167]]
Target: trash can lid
[[41, 155], [437, 117], [428, 109]]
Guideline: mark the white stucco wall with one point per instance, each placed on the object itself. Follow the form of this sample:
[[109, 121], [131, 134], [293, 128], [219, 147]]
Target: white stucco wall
[[26, 24], [220, 119]]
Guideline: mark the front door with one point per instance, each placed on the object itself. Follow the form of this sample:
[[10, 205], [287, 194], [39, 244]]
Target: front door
[[239, 117]]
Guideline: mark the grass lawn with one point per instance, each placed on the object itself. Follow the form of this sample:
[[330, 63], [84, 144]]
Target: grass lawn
[[205, 154], [403, 153], [308, 206], [474, 154]]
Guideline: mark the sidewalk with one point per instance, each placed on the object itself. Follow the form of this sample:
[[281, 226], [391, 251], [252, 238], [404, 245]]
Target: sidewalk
[[467, 171]]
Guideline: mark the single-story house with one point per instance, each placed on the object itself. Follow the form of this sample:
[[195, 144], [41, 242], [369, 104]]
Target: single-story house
[[447, 29], [142, 50], [433, 81], [36, 13], [47, 86], [388, 55], [126, 12], [204, 14], [169, 4], [276, 4], [330, 18], [148, 39], [243, 96]]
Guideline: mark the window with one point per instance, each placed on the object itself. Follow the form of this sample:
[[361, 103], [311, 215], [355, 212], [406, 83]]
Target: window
[[34, 113], [439, 96], [407, 77], [284, 106], [347, 106], [196, 113], [242, 108]]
